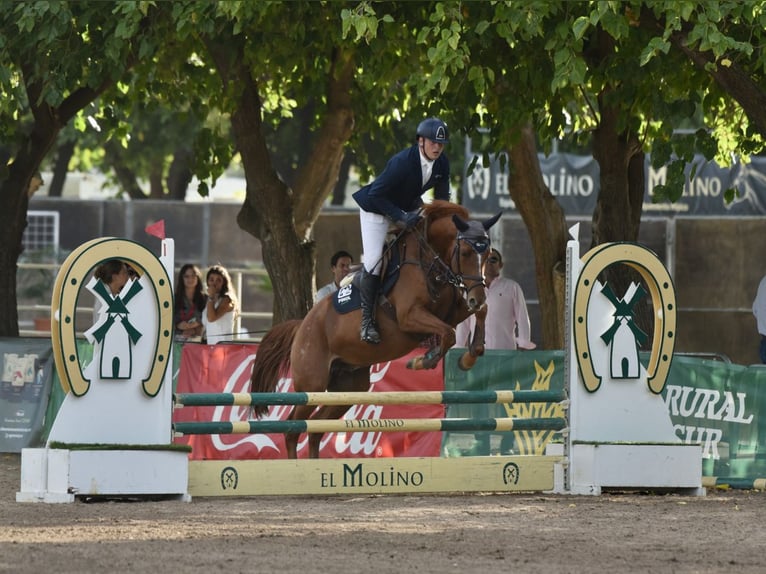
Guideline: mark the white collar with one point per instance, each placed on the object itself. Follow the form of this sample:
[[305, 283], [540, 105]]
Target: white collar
[[423, 159]]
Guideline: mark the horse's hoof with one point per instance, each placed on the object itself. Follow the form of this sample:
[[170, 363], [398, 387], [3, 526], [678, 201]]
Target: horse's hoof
[[415, 363], [466, 362]]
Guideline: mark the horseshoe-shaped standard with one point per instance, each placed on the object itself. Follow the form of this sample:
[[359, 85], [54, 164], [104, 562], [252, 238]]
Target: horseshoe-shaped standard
[[73, 276], [663, 295]]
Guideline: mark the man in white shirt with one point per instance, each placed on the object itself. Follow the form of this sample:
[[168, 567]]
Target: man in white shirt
[[507, 325], [340, 264], [759, 310]]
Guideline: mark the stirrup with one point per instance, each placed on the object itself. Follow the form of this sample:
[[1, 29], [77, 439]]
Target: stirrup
[[369, 334]]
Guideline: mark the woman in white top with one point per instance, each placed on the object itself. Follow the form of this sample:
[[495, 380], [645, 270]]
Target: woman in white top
[[221, 308]]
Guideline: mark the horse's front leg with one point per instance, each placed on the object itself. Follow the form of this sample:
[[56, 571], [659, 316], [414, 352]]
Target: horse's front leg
[[476, 347], [421, 320]]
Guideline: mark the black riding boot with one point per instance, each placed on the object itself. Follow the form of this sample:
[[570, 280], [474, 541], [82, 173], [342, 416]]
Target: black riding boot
[[368, 291]]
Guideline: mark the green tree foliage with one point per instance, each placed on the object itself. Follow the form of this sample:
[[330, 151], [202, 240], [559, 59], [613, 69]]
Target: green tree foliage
[[55, 59], [621, 74], [351, 75]]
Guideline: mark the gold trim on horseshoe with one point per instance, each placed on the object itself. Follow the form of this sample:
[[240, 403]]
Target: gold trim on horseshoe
[[73, 276], [661, 288]]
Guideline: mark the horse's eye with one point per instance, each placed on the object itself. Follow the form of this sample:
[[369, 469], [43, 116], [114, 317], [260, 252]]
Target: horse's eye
[[480, 246]]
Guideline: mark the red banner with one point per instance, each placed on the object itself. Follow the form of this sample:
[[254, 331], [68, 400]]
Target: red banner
[[226, 368]]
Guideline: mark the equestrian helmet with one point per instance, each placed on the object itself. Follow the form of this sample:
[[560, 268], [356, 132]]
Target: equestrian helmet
[[433, 129]]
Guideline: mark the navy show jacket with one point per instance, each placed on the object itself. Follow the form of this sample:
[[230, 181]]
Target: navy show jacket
[[399, 186]]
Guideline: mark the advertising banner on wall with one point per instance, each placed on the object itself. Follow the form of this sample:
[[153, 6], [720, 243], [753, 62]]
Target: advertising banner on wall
[[27, 369], [574, 181], [716, 404], [226, 368]]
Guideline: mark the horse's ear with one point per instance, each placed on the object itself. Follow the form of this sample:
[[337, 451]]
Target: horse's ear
[[459, 223], [491, 221]]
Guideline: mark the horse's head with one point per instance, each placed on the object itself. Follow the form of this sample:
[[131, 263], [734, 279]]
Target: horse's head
[[459, 243], [471, 243]]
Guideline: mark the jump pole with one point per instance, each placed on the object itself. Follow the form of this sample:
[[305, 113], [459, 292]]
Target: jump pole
[[368, 425], [367, 398]]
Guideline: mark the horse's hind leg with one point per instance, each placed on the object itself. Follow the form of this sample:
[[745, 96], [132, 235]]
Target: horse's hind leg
[[342, 380], [299, 413]]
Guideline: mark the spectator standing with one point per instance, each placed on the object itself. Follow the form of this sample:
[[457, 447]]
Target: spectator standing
[[759, 310], [340, 264], [395, 195], [221, 308], [189, 302], [507, 325]]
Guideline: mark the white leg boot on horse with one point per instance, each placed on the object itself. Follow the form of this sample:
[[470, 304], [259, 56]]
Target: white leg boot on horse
[[368, 292]]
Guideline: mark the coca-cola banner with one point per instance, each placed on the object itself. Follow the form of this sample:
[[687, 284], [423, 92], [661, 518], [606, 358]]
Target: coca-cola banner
[[226, 368]]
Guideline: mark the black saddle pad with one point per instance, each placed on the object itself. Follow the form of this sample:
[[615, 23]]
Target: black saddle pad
[[347, 299]]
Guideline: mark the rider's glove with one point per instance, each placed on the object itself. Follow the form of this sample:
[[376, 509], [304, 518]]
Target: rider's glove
[[409, 220]]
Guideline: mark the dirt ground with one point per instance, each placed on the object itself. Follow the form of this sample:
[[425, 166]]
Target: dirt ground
[[722, 532]]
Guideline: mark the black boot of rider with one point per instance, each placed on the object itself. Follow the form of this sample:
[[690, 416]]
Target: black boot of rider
[[368, 291]]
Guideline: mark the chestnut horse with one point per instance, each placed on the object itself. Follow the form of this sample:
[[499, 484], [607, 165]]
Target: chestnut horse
[[440, 284]]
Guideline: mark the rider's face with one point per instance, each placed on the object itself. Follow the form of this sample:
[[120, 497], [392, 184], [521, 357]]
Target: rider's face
[[431, 149]]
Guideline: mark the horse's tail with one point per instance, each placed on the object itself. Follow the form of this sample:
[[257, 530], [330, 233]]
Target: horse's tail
[[272, 360]]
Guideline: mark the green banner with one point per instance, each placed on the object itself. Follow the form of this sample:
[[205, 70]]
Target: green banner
[[503, 370], [713, 403]]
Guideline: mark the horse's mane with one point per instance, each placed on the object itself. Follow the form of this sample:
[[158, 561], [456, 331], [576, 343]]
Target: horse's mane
[[440, 208]]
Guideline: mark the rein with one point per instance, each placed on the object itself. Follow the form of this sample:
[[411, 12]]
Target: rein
[[437, 272]]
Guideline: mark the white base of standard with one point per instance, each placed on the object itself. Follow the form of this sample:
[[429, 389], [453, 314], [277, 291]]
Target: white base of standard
[[59, 475], [595, 466]]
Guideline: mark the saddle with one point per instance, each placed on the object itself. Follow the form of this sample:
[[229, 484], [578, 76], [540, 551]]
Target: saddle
[[347, 299]]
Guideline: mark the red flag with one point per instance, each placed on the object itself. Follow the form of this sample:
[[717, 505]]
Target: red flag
[[156, 229]]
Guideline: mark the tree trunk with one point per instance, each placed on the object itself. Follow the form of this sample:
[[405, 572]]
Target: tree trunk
[[125, 176], [180, 173], [13, 220], [61, 168], [339, 191], [547, 229], [280, 217], [13, 191], [617, 216], [318, 175], [156, 186]]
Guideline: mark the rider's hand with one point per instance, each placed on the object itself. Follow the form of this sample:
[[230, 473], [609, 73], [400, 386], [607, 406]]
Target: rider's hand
[[409, 220]]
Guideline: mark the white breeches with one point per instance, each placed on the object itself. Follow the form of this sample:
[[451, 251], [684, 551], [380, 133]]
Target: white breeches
[[374, 228]]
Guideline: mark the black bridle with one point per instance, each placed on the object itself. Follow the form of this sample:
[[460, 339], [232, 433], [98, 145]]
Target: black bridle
[[438, 272], [479, 241]]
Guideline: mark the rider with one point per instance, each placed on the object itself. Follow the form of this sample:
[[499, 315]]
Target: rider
[[395, 196]]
